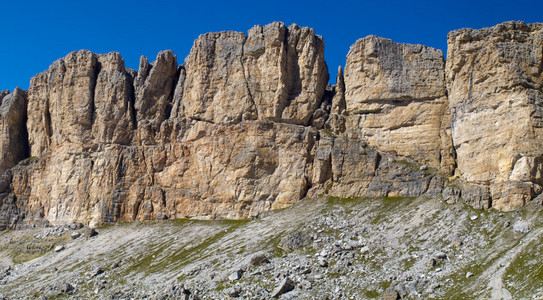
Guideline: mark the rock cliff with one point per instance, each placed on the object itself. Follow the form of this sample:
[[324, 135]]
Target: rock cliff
[[395, 99], [494, 81], [248, 123]]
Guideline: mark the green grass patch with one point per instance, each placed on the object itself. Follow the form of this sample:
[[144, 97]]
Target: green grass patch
[[525, 273], [151, 262], [27, 248]]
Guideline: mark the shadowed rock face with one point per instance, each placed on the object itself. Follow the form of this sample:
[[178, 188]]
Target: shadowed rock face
[[13, 135], [237, 129], [494, 79]]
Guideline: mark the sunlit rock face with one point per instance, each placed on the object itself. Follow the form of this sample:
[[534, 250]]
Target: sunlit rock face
[[217, 137], [396, 100], [494, 81], [248, 124]]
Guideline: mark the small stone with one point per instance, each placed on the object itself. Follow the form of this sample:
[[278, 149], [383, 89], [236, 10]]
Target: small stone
[[97, 272], [286, 285], [348, 247], [259, 259], [305, 284], [364, 249], [439, 270], [75, 226], [473, 218], [67, 288], [506, 224], [391, 294], [401, 290], [235, 276], [469, 274], [521, 227], [322, 262], [423, 168], [90, 232], [233, 291], [59, 248], [441, 255], [74, 235]]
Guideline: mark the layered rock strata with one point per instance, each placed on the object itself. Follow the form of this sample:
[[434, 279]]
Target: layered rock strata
[[248, 124]]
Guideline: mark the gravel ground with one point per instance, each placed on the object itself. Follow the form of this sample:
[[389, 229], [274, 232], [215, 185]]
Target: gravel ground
[[326, 248]]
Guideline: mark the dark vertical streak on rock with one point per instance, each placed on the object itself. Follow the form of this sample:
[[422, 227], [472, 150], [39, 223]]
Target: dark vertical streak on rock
[[132, 100], [94, 81], [246, 80]]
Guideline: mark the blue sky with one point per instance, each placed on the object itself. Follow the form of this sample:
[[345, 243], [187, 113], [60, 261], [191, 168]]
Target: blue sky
[[36, 33]]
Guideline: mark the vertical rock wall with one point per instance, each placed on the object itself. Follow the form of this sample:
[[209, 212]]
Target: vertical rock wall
[[494, 81], [13, 134], [396, 100], [248, 124], [274, 73]]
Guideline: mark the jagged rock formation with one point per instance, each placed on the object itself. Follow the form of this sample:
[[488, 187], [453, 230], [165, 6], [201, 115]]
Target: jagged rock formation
[[248, 124], [274, 73], [494, 79]]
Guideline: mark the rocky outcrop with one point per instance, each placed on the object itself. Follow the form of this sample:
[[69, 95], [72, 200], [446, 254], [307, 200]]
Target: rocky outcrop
[[274, 73], [61, 103], [110, 144], [248, 124], [13, 134], [348, 168], [113, 102], [395, 98], [154, 89], [494, 81]]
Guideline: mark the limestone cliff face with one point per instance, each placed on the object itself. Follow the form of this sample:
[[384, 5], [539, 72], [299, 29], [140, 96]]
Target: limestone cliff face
[[13, 135], [494, 79], [109, 143], [274, 73], [248, 124], [396, 100]]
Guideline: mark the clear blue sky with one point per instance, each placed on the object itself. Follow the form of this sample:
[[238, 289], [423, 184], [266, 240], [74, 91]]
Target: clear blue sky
[[36, 33]]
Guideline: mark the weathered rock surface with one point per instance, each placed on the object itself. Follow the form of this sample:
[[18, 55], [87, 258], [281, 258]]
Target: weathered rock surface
[[346, 168], [275, 73], [113, 102], [494, 81], [154, 89], [396, 100], [61, 102], [13, 134], [248, 124]]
